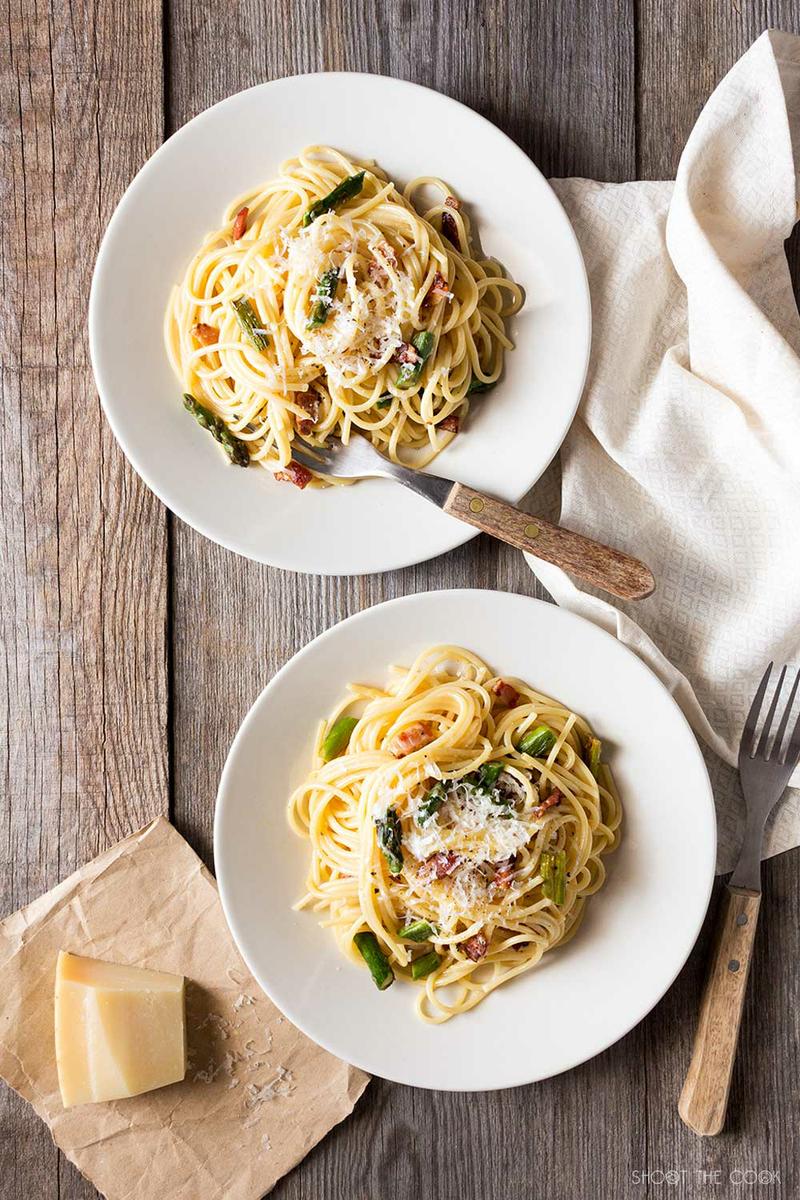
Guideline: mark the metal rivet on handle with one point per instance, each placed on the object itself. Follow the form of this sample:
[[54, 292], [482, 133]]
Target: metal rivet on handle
[[476, 505], [734, 964], [531, 531], [741, 919]]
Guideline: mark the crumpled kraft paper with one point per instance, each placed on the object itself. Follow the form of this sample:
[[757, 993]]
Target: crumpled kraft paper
[[257, 1095]]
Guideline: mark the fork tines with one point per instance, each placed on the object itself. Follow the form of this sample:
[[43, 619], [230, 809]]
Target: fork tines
[[791, 752]]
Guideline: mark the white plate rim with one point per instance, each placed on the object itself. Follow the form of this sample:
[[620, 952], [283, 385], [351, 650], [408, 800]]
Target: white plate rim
[[252, 717], [139, 463]]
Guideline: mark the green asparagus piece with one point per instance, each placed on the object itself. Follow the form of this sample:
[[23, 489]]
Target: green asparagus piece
[[390, 840], [234, 447], [421, 967], [376, 960], [346, 190], [251, 323], [594, 750], [477, 385], [410, 372], [432, 802], [385, 400], [338, 737], [324, 298], [418, 931], [486, 778], [489, 774], [537, 742], [553, 870]]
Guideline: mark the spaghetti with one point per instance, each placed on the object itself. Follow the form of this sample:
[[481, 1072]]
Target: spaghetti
[[327, 303], [458, 822]]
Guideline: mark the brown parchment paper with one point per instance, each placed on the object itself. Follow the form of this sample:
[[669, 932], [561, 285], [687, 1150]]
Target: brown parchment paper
[[257, 1095]]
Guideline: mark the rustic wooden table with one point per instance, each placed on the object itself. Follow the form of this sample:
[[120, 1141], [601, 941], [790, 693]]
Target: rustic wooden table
[[125, 670]]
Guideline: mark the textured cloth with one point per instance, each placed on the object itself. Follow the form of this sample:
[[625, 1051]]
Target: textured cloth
[[686, 448]]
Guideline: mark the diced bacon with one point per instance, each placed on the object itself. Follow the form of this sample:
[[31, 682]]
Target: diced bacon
[[505, 693], [385, 255], [295, 473], [552, 800], [311, 404], [439, 289], [441, 865], [240, 223], [449, 424], [206, 334], [476, 947], [503, 872], [413, 738], [450, 230], [453, 202], [405, 353]]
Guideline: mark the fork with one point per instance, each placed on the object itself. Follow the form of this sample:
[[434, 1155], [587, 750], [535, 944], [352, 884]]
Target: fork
[[591, 561], [764, 773]]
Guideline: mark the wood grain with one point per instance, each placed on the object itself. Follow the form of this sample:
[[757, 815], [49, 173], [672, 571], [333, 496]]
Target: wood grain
[[704, 1099], [83, 582], [602, 88], [603, 567]]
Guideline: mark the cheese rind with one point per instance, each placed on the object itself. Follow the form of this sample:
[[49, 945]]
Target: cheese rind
[[119, 1030]]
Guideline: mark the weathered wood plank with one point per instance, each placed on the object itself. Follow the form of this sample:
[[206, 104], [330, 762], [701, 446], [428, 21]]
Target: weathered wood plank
[[564, 90], [84, 592], [684, 50], [83, 600]]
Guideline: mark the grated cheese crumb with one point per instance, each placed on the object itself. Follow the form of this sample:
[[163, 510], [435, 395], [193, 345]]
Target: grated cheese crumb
[[281, 1085]]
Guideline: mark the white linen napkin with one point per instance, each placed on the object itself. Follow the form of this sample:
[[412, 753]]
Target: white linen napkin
[[686, 448]]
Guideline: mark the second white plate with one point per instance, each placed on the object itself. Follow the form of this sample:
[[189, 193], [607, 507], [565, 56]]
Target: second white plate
[[180, 194], [638, 929]]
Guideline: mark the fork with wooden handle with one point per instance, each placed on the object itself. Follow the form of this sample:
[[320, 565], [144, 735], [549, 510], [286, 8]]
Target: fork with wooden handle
[[600, 565], [764, 772]]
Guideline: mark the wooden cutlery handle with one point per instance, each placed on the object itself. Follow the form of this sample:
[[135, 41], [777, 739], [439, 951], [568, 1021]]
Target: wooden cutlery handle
[[597, 564], [704, 1098]]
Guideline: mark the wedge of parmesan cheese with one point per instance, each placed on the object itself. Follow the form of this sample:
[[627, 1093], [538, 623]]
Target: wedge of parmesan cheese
[[120, 1030]]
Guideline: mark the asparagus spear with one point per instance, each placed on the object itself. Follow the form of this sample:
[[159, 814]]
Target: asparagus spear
[[432, 802], [594, 750], [344, 191], [234, 447], [338, 737], [477, 385], [553, 870], [537, 742], [385, 400], [324, 297], [390, 840], [376, 960], [251, 323], [418, 931], [489, 774], [421, 967], [410, 372]]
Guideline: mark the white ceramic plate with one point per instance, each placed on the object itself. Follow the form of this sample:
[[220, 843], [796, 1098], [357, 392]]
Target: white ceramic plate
[[638, 929], [181, 193]]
